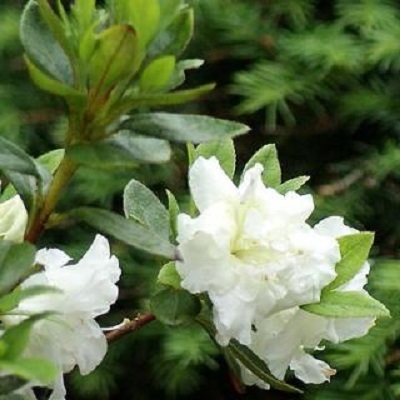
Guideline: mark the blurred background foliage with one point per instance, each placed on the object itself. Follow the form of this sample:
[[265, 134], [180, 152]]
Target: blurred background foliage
[[318, 78]]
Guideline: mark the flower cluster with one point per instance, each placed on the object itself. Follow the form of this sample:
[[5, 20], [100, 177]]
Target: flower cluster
[[253, 253], [70, 336]]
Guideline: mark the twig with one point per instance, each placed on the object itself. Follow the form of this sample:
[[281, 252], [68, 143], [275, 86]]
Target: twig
[[130, 326]]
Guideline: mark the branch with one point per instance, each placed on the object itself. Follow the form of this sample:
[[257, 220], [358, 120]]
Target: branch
[[130, 326]]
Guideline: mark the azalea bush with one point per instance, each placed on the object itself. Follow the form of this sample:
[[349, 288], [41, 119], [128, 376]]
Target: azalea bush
[[235, 259]]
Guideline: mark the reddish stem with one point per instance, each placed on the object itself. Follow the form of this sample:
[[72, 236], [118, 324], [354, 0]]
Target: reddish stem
[[131, 326]]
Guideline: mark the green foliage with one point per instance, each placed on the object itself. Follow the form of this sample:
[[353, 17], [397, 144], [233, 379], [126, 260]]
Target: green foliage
[[354, 251], [267, 156], [223, 150], [312, 55], [175, 306], [326, 68]]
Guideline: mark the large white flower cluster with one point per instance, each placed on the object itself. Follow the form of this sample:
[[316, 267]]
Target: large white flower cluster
[[254, 254], [85, 290]]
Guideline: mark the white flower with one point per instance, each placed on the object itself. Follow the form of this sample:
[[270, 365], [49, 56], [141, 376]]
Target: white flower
[[13, 219], [282, 339], [250, 249], [87, 289]]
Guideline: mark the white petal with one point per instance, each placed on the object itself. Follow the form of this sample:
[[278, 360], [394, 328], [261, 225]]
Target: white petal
[[98, 257], [334, 227], [52, 258], [310, 370], [13, 219], [358, 282], [205, 266], [59, 391], [209, 184], [252, 183]]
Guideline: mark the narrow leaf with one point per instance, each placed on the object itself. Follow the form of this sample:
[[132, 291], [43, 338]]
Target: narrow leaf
[[16, 338], [183, 128], [117, 56], [223, 150], [173, 208], [13, 158], [41, 45], [52, 159], [248, 358], [51, 85], [11, 300], [354, 250], [168, 99], [157, 74], [174, 39], [127, 231], [16, 260], [142, 205], [267, 156], [123, 150], [36, 370], [341, 304], [292, 184], [175, 307], [168, 276], [258, 367]]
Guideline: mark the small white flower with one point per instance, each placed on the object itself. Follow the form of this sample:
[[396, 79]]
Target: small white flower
[[282, 339], [250, 249], [13, 219], [87, 289]]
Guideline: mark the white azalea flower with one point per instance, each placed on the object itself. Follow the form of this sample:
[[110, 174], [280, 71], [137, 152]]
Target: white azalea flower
[[13, 219], [250, 249], [282, 339], [87, 289]]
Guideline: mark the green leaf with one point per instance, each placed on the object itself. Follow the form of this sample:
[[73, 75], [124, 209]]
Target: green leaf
[[144, 15], [42, 47], [123, 150], [10, 383], [16, 261], [183, 128], [173, 208], [157, 74], [13, 158], [83, 11], [52, 160], [175, 307], [56, 26], [117, 56], [354, 250], [258, 367], [341, 304], [267, 156], [11, 300], [142, 205], [31, 369], [51, 85], [179, 75], [25, 185], [168, 11], [174, 39], [248, 358], [292, 184], [16, 337], [223, 150], [127, 231], [168, 276], [168, 99]]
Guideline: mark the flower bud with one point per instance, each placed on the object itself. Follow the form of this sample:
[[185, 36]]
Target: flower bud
[[13, 219]]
